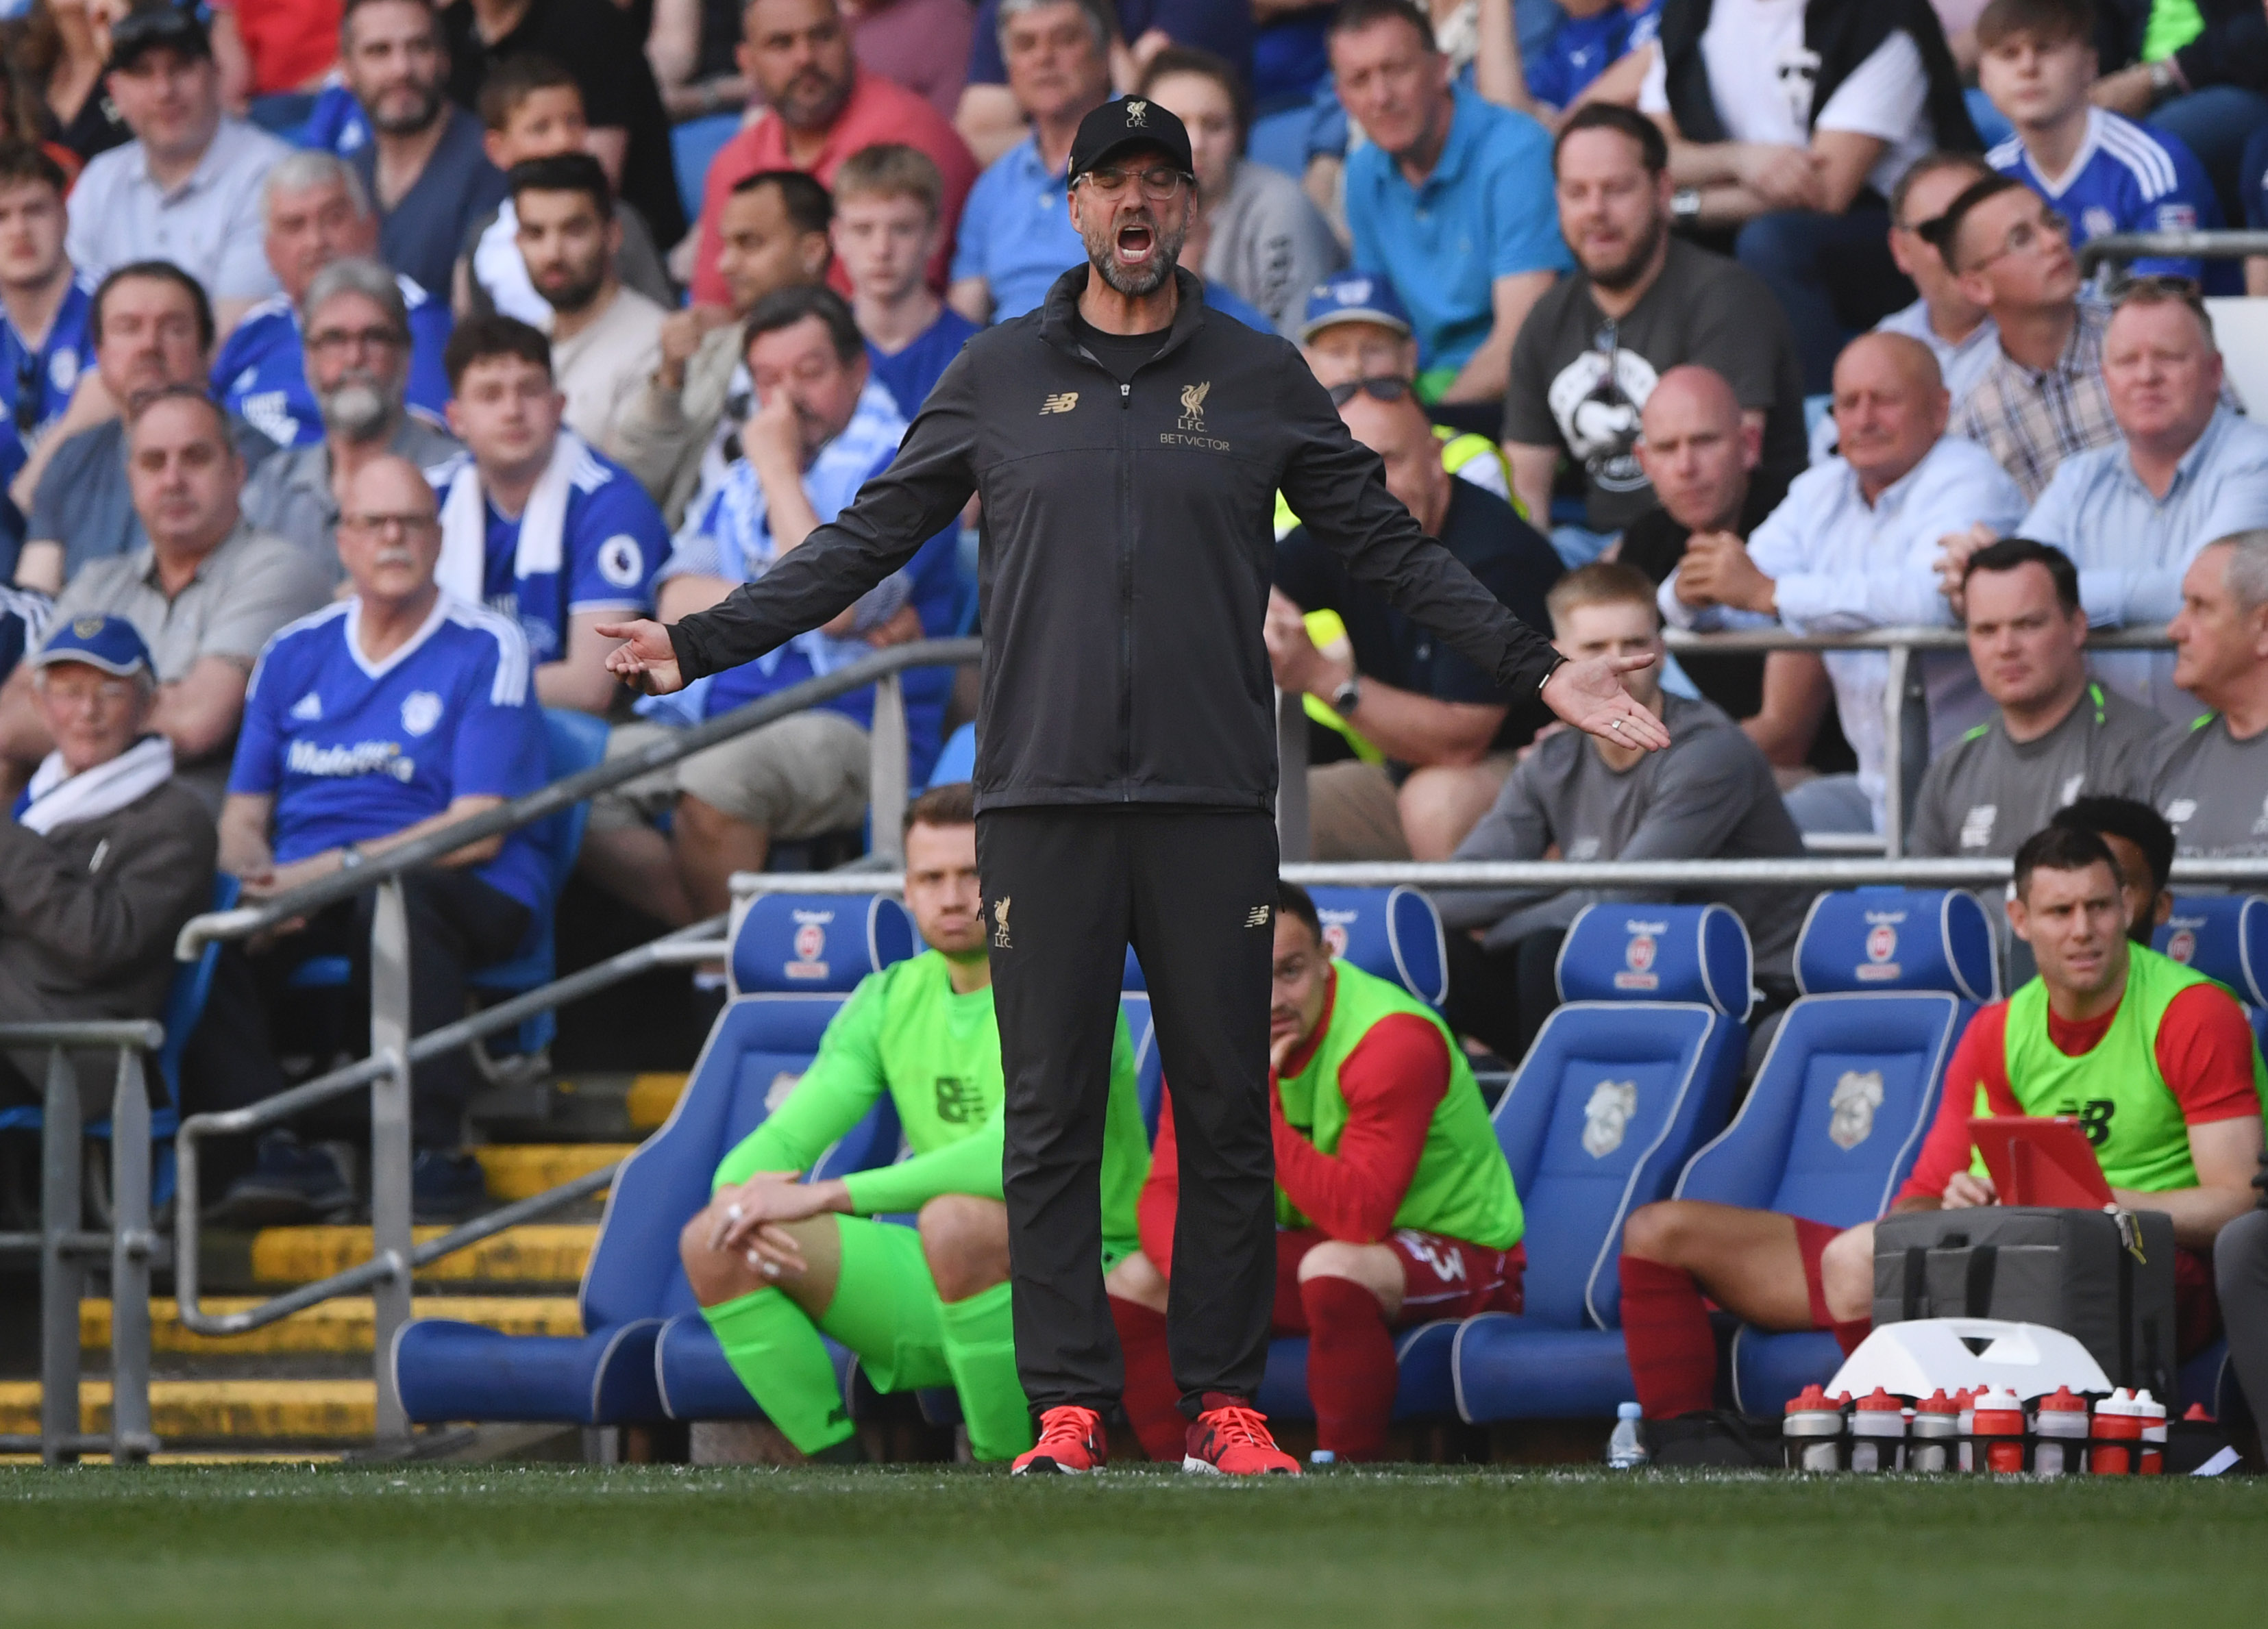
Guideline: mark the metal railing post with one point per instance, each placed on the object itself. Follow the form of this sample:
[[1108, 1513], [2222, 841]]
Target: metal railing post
[[389, 1144], [886, 783], [1894, 754], [62, 1275], [1292, 839], [131, 1245]]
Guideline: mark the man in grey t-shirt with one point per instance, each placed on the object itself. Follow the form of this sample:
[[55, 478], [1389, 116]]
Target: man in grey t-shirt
[[2211, 781], [1644, 302], [2057, 736], [1709, 796]]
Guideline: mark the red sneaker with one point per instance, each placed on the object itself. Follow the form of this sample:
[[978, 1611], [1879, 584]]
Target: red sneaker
[[1231, 1440], [1072, 1443]]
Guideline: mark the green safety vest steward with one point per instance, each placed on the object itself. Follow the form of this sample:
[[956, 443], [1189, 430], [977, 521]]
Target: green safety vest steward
[[1461, 1189], [1457, 451], [904, 1032], [2130, 1114]]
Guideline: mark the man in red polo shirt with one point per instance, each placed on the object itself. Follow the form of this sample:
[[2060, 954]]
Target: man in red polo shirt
[[821, 109]]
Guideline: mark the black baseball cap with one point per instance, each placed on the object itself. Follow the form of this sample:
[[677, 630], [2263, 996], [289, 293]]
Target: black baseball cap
[[1115, 127], [156, 28]]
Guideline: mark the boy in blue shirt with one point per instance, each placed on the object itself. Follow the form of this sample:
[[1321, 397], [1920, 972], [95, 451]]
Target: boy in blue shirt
[[1589, 39], [378, 719], [536, 524], [317, 214], [2102, 172], [886, 203]]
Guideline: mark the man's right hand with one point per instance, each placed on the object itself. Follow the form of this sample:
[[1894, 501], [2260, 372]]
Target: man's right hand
[[1954, 561], [1787, 177], [681, 334], [1968, 1191], [646, 660]]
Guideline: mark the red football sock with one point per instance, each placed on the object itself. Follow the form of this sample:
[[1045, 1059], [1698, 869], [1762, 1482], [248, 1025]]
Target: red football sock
[[1153, 1401], [1673, 1355], [1351, 1372], [1849, 1334]]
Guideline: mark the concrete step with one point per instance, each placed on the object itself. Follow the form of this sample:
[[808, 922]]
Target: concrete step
[[311, 1410], [522, 1170], [651, 1098], [341, 1327], [540, 1254]]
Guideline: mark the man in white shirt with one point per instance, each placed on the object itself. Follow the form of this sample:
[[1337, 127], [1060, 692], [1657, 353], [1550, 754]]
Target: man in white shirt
[[1790, 124], [1853, 546], [605, 339], [186, 189]]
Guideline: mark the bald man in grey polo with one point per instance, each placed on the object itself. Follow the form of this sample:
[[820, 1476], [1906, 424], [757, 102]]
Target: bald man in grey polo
[[1985, 794]]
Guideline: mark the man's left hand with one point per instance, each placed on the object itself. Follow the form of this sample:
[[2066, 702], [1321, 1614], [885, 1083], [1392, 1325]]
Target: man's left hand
[[1589, 695], [772, 437], [901, 630], [1717, 570]]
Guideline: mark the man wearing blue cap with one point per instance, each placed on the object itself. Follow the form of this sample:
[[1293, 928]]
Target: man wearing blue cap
[[106, 854]]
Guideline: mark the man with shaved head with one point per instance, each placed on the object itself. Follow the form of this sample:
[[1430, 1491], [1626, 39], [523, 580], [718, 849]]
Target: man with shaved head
[[389, 713], [1700, 453], [1409, 740], [1853, 546]]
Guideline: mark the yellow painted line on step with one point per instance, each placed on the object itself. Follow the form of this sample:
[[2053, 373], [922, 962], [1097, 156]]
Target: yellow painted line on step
[[342, 1326], [289, 1457], [522, 1170], [321, 1409], [552, 1253], [651, 1098]]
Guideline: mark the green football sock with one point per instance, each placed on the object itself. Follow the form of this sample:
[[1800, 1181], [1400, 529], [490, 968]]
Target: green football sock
[[774, 1349], [980, 1348]]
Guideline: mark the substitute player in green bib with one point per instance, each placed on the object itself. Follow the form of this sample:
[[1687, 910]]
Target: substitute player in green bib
[[1394, 1205], [776, 1262], [2156, 1062]]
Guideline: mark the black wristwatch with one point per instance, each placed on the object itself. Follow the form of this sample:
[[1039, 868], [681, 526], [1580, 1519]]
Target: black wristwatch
[[1347, 697]]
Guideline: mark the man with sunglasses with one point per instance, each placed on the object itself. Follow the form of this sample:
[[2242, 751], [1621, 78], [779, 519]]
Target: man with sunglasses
[[43, 313], [1128, 445]]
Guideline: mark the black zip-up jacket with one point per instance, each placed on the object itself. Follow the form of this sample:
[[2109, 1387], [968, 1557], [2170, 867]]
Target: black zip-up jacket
[[1128, 542]]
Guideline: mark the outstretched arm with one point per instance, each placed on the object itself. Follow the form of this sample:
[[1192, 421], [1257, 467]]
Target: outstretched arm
[[897, 511]]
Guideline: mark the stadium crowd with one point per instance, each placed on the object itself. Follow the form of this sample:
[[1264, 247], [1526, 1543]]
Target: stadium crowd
[[362, 358]]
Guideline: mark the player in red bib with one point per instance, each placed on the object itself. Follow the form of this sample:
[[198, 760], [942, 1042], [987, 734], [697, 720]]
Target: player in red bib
[[1394, 1203], [2187, 1144]]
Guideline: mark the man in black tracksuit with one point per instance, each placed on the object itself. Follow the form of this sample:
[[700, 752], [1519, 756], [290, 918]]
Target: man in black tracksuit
[[1128, 444]]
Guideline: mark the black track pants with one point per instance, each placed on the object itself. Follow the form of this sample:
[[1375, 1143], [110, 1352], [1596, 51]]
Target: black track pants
[[1065, 892]]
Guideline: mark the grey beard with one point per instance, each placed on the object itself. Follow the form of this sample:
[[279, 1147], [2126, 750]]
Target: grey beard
[[1161, 270], [358, 411]]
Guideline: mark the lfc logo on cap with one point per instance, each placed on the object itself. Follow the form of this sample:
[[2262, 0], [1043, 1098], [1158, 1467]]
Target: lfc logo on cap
[[1137, 115]]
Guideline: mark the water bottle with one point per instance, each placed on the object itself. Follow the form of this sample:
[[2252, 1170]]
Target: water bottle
[[2118, 1441], [1936, 1423], [1999, 1431], [1626, 1449], [1878, 1433], [2153, 1434], [1812, 1434], [2060, 1429]]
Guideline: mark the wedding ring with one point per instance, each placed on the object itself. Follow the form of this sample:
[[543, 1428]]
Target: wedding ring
[[732, 1213]]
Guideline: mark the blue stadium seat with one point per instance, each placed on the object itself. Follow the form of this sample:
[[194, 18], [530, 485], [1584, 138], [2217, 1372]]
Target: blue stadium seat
[[795, 959], [1624, 1081], [956, 759], [1844, 1098]]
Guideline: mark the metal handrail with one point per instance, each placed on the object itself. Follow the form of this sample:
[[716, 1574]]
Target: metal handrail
[[64, 1247], [1733, 641], [2120, 247], [883, 666]]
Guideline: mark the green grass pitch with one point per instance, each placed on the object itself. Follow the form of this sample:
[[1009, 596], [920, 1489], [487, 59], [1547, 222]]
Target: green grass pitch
[[686, 1548]]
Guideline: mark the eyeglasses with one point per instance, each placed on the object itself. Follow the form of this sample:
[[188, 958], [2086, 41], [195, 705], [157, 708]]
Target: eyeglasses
[[390, 525], [2054, 226], [1383, 388], [329, 342], [1160, 184]]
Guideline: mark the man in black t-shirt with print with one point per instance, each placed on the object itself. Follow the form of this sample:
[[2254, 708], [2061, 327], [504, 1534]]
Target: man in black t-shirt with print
[[1590, 352], [1409, 740]]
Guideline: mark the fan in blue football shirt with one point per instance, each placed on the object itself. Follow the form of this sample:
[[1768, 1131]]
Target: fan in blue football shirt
[[44, 305], [316, 213], [379, 719], [2102, 172], [536, 522]]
